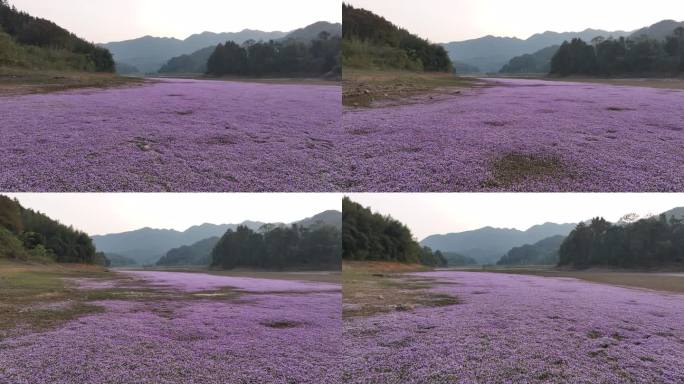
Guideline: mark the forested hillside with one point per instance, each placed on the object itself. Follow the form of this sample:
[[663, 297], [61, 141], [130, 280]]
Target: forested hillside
[[538, 62], [279, 247], [458, 260], [31, 42], [149, 53], [198, 253], [372, 236], [314, 58], [543, 252], [486, 245], [28, 235], [195, 62], [371, 41], [638, 56], [491, 53], [647, 243]]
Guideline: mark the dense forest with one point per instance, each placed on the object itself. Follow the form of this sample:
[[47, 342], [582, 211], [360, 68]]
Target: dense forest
[[279, 247], [624, 56], [27, 41], [198, 253], [29, 235], [318, 57], [543, 252], [647, 243], [372, 236], [370, 41]]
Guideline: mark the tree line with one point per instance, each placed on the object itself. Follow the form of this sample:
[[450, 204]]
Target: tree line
[[372, 41], [647, 243], [637, 56], [28, 30], [372, 236], [279, 247], [29, 235], [318, 57]]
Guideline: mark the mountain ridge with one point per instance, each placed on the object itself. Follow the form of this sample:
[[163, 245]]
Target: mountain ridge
[[146, 245], [150, 53], [487, 244], [490, 53]]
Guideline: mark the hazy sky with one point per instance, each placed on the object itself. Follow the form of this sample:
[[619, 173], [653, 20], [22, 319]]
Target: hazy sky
[[428, 214], [103, 21], [454, 20], [102, 213]]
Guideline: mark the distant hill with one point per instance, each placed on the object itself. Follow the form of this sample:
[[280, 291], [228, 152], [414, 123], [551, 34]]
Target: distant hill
[[31, 42], [149, 53], [196, 62], [678, 213], [312, 31], [543, 252], [116, 260], [331, 218], [491, 53], [464, 68], [147, 245], [658, 31], [458, 260], [126, 69], [538, 62], [198, 253], [487, 245]]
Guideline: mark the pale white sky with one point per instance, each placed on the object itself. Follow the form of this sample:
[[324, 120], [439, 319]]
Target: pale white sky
[[103, 21], [102, 213], [429, 214], [443, 21]]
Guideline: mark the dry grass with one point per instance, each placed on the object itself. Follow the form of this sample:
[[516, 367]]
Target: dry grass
[[517, 168], [37, 296], [360, 88], [376, 287], [15, 81]]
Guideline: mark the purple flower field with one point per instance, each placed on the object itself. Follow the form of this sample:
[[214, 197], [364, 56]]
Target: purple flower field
[[260, 337], [563, 136], [173, 135], [522, 329]]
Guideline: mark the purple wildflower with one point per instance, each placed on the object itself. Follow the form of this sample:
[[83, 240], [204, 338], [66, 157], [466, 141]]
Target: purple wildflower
[[594, 137]]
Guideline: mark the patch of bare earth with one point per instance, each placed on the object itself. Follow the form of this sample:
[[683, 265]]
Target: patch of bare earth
[[518, 168], [363, 88], [371, 290]]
